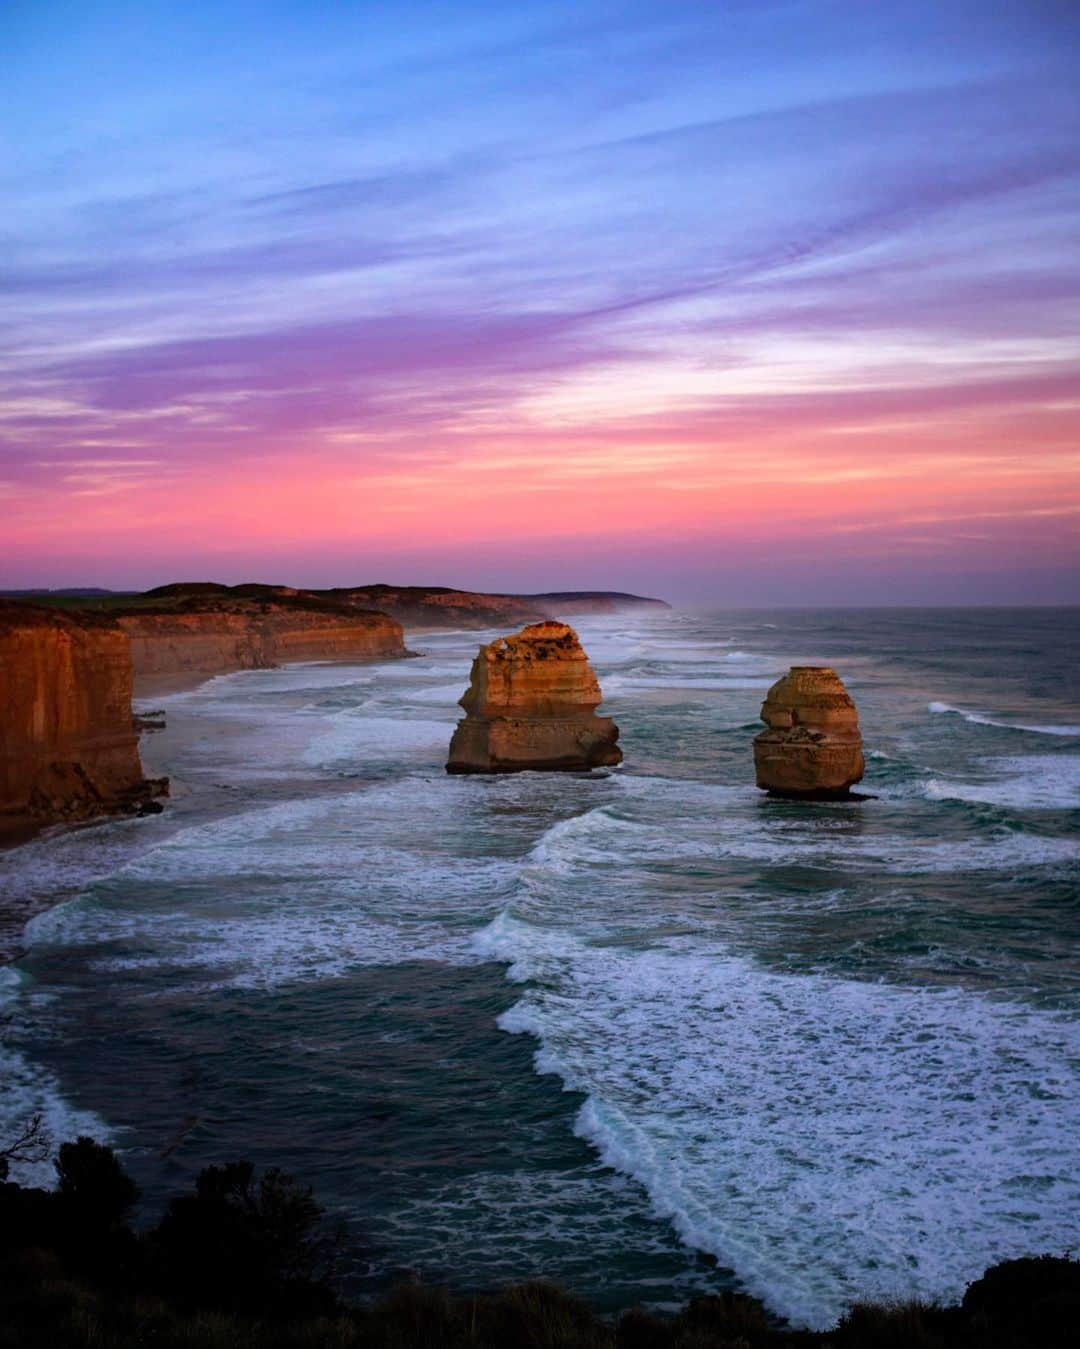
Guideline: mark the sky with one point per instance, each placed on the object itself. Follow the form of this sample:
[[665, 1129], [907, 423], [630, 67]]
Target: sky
[[735, 302]]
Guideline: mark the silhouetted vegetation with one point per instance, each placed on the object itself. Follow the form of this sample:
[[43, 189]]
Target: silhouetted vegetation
[[245, 1262], [31, 1144]]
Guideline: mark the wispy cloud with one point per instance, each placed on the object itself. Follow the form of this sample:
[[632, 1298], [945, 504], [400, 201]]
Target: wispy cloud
[[670, 255]]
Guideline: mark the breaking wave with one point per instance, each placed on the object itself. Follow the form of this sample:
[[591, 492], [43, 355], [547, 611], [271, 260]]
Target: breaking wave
[[778, 1121], [981, 719]]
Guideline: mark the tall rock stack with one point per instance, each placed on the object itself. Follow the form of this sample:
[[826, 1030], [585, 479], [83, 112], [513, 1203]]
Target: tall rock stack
[[813, 745], [531, 703]]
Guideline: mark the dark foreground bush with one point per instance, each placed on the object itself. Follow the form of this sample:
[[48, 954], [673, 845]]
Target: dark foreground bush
[[243, 1244], [243, 1263]]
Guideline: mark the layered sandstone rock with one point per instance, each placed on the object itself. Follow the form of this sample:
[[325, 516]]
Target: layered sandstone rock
[[813, 746], [68, 745], [218, 632], [531, 703]]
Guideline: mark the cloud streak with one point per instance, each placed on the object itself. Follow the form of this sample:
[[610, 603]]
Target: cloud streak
[[668, 255]]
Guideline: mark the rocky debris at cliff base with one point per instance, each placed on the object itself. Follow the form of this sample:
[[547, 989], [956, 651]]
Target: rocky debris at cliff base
[[813, 747], [531, 704]]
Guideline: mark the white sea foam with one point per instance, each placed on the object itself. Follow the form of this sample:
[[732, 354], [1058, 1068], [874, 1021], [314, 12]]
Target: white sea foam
[[442, 695], [619, 683], [981, 719], [62, 863], [1022, 782], [696, 825], [811, 1132], [505, 1225], [300, 890], [30, 1090], [409, 671], [357, 740]]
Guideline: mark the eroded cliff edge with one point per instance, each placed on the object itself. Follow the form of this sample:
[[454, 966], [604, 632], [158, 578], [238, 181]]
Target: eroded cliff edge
[[445, 607], [180, 631], [68, 745]]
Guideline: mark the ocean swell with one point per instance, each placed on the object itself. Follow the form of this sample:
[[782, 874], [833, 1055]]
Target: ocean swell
[[810, 1132], [981, 719]]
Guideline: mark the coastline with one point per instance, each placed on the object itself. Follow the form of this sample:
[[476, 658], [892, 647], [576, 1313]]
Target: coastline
[[284, 940], [17, 833]]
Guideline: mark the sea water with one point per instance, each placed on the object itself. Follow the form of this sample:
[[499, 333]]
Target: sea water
[[645, 1032]]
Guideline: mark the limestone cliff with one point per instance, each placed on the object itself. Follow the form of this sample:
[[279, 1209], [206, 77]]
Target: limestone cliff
[[567, 603], [68, 746], [218, 632], [531, 704], [813, 745], [441, 607], [414, 606]]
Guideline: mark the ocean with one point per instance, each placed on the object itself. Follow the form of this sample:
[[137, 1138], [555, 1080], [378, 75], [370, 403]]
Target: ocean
[[645, 1032]]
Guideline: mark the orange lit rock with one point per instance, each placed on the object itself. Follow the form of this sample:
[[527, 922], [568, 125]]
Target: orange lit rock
[[208, 635], [813, 745], [68, 744], [531, 703]]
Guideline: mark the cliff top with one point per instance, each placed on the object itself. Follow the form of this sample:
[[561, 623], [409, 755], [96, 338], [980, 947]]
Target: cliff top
[[25, 614], [615, 596], [536, 640], [199, 597], [417, 606]]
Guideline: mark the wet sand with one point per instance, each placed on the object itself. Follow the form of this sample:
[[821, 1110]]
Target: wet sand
[[182, 681]]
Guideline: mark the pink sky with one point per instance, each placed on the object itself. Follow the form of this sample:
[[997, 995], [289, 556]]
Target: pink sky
[[754, 313]]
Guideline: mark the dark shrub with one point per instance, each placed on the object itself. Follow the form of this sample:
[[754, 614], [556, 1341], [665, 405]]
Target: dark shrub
[[537, 1315], [411, 1314], [905, 1325], [1035, 1301], [727, 1318], [244, 1244], [93, 1184], [27, 1218], [640, 1329]]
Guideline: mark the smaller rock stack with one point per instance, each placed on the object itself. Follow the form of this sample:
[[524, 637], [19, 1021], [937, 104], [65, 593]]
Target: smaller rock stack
[[813, 745], [531, 704]]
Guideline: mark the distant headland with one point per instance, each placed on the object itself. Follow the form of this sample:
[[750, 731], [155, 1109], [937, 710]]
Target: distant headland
[[412, 605]]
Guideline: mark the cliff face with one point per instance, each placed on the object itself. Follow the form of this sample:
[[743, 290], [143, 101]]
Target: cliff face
[[438, 607], [68, 747], [813, 745], [216, 634], [531, 704], [566, 603], [414, 606]]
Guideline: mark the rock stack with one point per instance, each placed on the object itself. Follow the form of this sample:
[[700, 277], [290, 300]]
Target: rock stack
[[531, 703], [813, 745]]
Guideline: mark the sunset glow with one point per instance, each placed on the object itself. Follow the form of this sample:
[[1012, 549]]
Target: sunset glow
[[753, 303]]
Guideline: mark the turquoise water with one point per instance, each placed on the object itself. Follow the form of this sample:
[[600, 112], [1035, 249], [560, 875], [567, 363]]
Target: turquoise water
[[645, 1032]]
